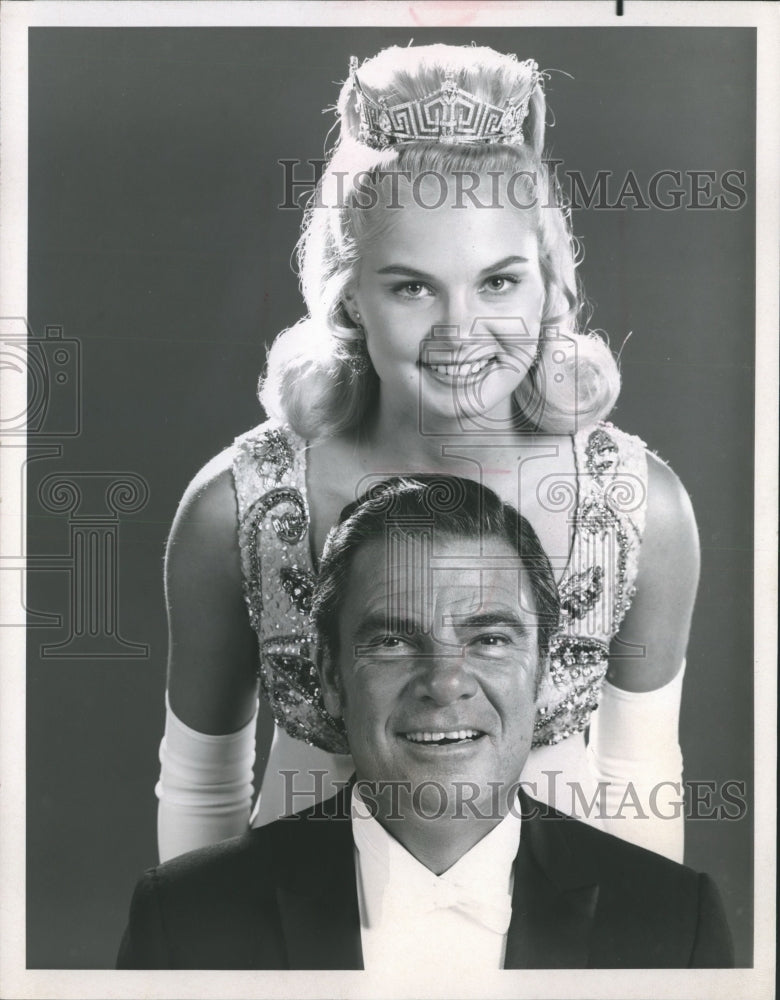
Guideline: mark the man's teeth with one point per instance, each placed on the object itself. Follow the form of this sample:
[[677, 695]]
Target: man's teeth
[[464, 368], [455, 734]]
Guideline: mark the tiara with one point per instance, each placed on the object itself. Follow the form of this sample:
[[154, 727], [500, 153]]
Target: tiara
[[449, 115]]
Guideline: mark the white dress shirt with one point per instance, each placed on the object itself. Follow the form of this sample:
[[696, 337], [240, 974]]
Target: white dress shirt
[[412, 918]]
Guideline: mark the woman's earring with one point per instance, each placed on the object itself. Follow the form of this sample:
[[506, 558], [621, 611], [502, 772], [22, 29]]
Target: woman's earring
[[358, 360]]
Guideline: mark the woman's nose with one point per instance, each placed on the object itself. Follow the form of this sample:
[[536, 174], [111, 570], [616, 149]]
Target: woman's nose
[[444, 678], [458, 315]]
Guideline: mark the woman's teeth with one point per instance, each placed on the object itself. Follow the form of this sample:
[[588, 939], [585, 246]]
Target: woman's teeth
[[463, 368], [455, 734]]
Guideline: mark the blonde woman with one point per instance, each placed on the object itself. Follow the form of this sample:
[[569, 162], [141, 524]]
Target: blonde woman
[[444, 333]]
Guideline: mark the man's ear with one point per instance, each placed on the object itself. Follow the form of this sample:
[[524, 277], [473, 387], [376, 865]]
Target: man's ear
[[330, 682]]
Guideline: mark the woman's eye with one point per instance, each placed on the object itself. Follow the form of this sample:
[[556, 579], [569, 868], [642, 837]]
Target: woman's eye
[[412, 290], [501, 282]]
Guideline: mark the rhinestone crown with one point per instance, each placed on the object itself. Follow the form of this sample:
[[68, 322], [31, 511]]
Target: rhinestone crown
[[449, 115]]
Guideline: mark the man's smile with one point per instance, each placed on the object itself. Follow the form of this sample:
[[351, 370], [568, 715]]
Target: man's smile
[[447, 737]]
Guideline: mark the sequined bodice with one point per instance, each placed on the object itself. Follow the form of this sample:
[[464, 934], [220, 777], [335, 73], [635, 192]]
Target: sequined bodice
[[606, 510]]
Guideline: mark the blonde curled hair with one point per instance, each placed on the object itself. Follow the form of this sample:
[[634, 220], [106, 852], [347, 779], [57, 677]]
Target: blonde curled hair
[[312, 381]]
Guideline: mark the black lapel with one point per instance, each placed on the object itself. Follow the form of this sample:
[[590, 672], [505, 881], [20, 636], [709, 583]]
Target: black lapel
[[554, 899], [317, 896]]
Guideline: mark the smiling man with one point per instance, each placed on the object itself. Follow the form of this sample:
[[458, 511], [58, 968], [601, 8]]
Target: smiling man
[[435, 607], [435, 632]]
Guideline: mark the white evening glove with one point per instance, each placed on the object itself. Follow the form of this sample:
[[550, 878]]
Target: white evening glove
[[634, 745], [205, 787]]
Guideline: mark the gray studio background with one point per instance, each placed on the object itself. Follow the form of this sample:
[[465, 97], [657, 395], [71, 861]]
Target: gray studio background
[[155, 243]]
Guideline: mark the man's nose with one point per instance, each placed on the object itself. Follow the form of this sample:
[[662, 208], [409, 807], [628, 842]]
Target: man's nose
[[444, 678]]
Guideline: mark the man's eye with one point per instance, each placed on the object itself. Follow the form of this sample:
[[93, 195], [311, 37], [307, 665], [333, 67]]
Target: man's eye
[[387, 642], [491, 644]]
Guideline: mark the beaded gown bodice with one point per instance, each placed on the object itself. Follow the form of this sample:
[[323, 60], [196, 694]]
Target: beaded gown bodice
[[605, 507]]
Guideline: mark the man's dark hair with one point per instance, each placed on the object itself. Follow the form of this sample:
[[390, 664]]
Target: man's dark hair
[[448, 505]]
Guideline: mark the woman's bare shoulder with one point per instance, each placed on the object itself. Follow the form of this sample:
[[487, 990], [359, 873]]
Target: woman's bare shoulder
[[669, 512], [669, 508], [205, 521]]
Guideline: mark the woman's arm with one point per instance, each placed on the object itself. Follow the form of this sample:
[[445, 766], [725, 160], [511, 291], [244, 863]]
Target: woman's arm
[[207, 754], [634, 742], [212, 652], [650, 646]]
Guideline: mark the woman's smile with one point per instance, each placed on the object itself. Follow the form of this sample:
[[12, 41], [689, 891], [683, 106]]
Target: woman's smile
[[457, 371]]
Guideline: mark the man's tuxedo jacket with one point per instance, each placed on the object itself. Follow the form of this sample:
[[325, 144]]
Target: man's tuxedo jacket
[[285, 897]]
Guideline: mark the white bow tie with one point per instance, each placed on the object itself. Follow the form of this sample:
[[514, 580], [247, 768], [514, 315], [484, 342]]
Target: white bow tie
[[490, 907]]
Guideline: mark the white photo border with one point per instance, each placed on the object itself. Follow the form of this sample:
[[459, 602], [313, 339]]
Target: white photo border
[[15, 979]]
